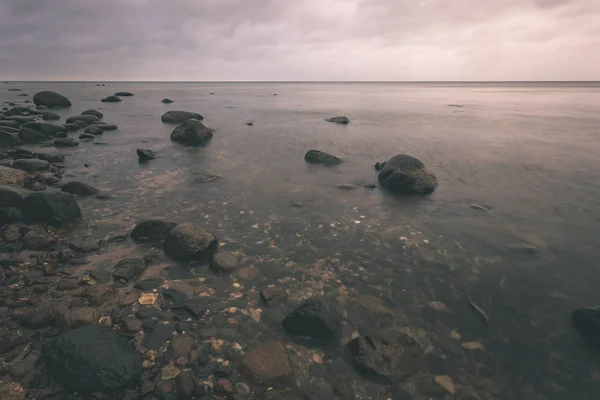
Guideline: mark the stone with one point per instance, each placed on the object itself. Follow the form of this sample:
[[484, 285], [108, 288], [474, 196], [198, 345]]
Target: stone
[[174, 298], [111, 99], [50, 99], [37, 319], [181, 346], [81, 123], [587, 323], [9, 124], [72, 127], [92, 359], [31, 164], [65, 143], [131, 324], [12, 196], [12, 391], [95, 113], [82, 316], [94, 130], [107, 127], [128, 268], [51, 207], [87, 118], [145, 154], [406, 174], [149, 284], [177, 117], [8, 139], [100, 275], [79, 188], [46, 128], [339, 120], [186, 386], [314, 318], [11, 176], [21, 119], [28, 135], [192, 132], [189, 242], [320, 157], [151, 230], [100, 294], [50, 116], [124, 94], [84, 246], [268, 364], [224, 262], [148, 299], [84, 136], [166, 101], [273, 296], [37, 239]]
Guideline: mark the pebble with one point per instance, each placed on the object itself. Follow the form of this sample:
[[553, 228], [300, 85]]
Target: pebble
[[438, 306], [473, 346], [148, 299], [445, 382], [455, 335], [170, 371], [242, 388], [317, 358]]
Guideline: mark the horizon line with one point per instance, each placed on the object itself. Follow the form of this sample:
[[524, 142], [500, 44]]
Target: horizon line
[[303, 81]]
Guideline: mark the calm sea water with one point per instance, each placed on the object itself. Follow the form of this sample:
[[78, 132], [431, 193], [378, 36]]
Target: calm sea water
[[527, 152]]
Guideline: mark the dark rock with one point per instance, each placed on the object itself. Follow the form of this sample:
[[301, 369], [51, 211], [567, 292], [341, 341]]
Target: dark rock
[[100, 275], [250, 123], [72, 127], [159, 335], [166, 101], [37, 239], [177, 117], [21, 120], [82, 316], [338, 120], [315, 319], [79, 188], [12, 196], [319, 157], [84, 136], [50, 99], [50, 116], [100, 294], [124, 94], [149, 284], [189, 242], [198, 306], [8, 139], [46, 128], [128, 268], [146, 312], [96, 113], [31, 136], [51, 158], [37, 319], [87, 118], [151, 230], [11, 214], [9, 124], [94, 130], [587, 323], [268, 364], [174, 298], [29, 164], [181, 346], [224, 262], [107, 127], [273, 296], [207, 178], [186, 386], [431, 389], [111, 99], [192, 132], [65, 143], [145, 154], [131, 324], [68, 284], [405, 174], [92, 359], [84, 246], [53, 208], [81, 123]]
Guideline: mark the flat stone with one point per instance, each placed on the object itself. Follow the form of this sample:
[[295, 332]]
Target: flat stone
[[99, 294], [149, 284], [31, 164], [273, 296], [268, 364], [84, 246], [224, 262], [127, 269], [181, 346], [131, 324], [100, 275]]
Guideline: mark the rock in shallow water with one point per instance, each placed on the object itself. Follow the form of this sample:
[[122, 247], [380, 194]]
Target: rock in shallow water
[[87, 118], [339, 120], [267, 364], [28, 135], [65, 143], [151, 230], [50, 116], [587, 323], [166, 101], [124, 94], [79, 188], [92, 359], [51, 207], [30, 164], [314, 318], [224, 262], [192, 133], [406, 174], [190, 242], [320, 157], [177, 117], [111, 99], [145, 154], [50, 99], [98, 114]]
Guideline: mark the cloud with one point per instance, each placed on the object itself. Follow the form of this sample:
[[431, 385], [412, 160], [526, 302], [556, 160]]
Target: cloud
[[300, 40]]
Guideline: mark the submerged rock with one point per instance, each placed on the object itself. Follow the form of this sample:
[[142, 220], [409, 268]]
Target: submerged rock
[[145, 154], [128, 269], [86, 136], [405, 174], [94, 130], [320, 157], [192, 133], [339, 120], [177, 117], [96, 113], [151, 230], [50, 99], [28, 135], [107, 127], [79, 188], [224, 262], [268, 364], [92, 359], [37, 239], [124, 94], [111, 99], [166, 101], [190, 242], [587, 323], [51, 207], [314, 318]]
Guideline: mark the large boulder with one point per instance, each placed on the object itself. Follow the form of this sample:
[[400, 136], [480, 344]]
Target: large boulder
[[268, 364], [111, 99], [320, 157], [91, 359], [192, 133], [9, 139], [177, 117], [189, 242], [31, 164], [50, 99], [406, 174], [151, 230], [28, 135], [96, 113], [9, 123], [45, 127], [587, 323], [51, 207], [88, 118], [314, 318], [12, 196], [339, 120], [79, 188]]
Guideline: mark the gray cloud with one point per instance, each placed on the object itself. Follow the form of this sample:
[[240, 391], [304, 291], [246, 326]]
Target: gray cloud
[[300, 40]]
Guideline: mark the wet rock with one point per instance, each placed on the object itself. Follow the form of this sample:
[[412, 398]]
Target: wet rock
[[37, 239], [11, 176], [273, 296], [587, 323], [320, 157], [128, 268], [50, 99], [84, 136], [186, 386], [31, 164], [23, 365], [131, 324], [224, 387], [93, 130], [92, 359], [181, 346], [189, 242], [124, 94], [197, 307], [84, 246], [68, 284], [87, 118], [100, 275], [12, 196], [207, 178], [65, 143], [81, 123], [11, 391], [390, 355], [151, 230], [9, 124], [267, 364], [82, 316], [50, 207], [224, 262], [428, 387], [46, 128], [8, 139], [95, 113], [177, 117], [37, 319], [111, 99], [31, 136], [51, 158], [405, 174], [166, 101], [192, 132], [21, 119], [149, 284], [100, 294], [145, 154], [339, 120], [50, 116], [72, 127], [314, 318], [174, 298], [158, 336], [79, 188], [107, 127]]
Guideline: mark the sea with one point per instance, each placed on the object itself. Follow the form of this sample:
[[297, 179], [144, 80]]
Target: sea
[[486, 270]]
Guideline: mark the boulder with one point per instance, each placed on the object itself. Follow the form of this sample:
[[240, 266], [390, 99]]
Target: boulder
[[124, 94], [587, 323], [405, 174], [339, 120], [31, 164], [268, 364], [224, 262], [177, 117], [37, 239], [151, 230], [50, 99], [21, 119], [166, 101], [50, 116], [12, 196], [128, 269], [145, 154], [320, 157], [51, 207], [65, 143], [79, 188], [9, 129], [72, 127], [96, 113], [111, 99], [9, 139], [28, 135], [11, 176], [9, 123], [107, 127], [314, 318], [37, 318], [88, 118], [192, 133], [91, 359], [189, 242], [45, 127], [83, 136], [81, 123], [94, 130]]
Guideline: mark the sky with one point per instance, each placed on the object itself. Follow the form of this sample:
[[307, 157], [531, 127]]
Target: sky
[[299, 40]]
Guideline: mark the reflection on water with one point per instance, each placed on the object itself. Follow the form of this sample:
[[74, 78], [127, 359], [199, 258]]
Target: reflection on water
[[512, 227]]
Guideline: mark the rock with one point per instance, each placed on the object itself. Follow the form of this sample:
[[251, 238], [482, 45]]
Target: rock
[[405, 174], [31, 164], [87, 118], [145, 154], [189, 242], [166, 101], [338, 120], [9, 129], [273, 296], [192, 133], [95, 113], [151, 230], [186, 386], [32, 136], [12, 196], [54, 159], [128, 268], [107, 127], [224, 262], [9, 124], [319, 157], [8, 139], [84, 136], [14, 90], [111, 99], [12, 391], [79, 188], [50, 99], [37, 319], [82, 316], [46, 128], [72, 127], [65, 143], [100, 275], [124, 94], [587, 323], [50, 116], [268, 364], [21, 120], [92, 359], [84, 246], [181, 346], [94, 130], [37, 239], [10, 176], [315, 319], [80, 123], [51, 207], [100, 294], [177, 117], [131, 324], [391, 355], [149, 284]]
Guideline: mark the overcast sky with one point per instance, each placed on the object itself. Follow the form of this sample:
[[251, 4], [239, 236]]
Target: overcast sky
[[203, 40]]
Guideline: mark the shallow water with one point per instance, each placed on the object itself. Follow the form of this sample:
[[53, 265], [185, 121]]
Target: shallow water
[[527, 153]]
